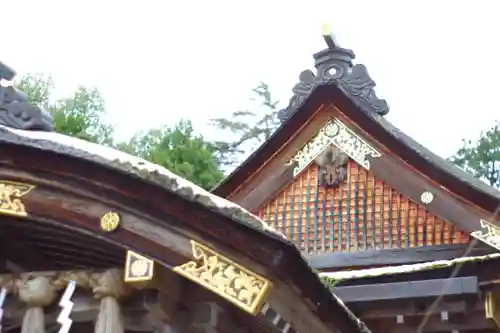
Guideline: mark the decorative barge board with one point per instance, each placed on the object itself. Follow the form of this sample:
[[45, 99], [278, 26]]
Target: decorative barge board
[[111, 225], [338, 177], [403, 298]]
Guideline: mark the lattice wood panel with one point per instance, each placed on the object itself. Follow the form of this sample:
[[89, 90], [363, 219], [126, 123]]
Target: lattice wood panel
[[363, 213]]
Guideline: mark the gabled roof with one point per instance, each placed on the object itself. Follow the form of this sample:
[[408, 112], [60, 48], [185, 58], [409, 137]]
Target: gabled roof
[[351, 89]]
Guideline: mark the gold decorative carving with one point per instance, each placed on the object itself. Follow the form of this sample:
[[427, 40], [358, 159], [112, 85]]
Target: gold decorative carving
[[489, 234], [110, 221], [10, 197], [338, 134], [492, 306], [240, 286], [138, 268]]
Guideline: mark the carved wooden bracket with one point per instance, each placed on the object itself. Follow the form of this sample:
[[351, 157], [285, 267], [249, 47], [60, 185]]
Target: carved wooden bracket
[[489, 234], [332, 163], [237, 284]]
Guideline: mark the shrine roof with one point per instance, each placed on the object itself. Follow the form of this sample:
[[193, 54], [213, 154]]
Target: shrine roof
[[339, 82]]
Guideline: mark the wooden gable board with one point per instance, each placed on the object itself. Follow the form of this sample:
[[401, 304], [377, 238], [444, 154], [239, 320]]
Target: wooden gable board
[[363, 213]]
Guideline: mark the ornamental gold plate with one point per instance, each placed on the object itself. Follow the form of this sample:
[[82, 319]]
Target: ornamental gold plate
[[10, 197], [489, 234], [138, 268], [237, 284]]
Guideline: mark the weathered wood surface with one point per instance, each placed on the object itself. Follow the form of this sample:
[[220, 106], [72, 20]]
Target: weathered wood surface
[[458, 286]]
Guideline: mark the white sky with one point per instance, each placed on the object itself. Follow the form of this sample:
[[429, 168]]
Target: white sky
[[157, 61]]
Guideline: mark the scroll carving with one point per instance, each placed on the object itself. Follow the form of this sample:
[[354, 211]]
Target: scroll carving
[[339, 135], [334, 65], [361, 87], [11, 194], [332, 163], [489, 234], [235, 283]]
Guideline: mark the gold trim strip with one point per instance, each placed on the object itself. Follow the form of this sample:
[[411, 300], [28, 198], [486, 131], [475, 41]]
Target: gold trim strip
[[235, 283], [336, 133], [10, 197], [491, 308]]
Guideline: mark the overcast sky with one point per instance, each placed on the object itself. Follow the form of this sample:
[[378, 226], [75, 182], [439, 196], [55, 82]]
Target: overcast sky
[[436, 62]]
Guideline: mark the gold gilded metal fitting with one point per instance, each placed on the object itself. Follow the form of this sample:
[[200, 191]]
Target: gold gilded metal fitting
[[138, 268], [110, 221]]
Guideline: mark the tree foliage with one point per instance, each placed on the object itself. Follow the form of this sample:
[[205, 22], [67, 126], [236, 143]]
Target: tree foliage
[[249, 128], [81, 115], [482, 158], [180, 150]]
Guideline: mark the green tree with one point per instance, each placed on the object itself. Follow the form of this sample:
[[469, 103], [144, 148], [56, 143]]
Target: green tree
[[180, 150], [79, 115], [482, 158], [249, 128]]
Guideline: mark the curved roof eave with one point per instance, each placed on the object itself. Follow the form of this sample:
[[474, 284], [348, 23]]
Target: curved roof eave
[[147, 171]]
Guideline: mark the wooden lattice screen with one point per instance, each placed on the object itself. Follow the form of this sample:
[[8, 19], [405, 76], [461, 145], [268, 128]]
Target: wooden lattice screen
[[363, 213]]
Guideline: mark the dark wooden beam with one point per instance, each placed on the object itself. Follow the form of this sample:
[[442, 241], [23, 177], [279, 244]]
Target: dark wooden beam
[[336, 260], [411, 289], [472, 322], [391, 309]]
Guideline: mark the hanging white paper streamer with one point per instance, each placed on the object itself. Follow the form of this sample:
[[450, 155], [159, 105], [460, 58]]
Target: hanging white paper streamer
[[65, 303], [3, 295]]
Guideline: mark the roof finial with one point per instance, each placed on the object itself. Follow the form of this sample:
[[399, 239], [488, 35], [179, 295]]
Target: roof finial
[[329, 36], [335, 65], [15, 110], [6, 72]]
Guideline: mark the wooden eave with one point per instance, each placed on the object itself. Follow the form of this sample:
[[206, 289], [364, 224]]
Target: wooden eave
[[333, 261], [483, 267], [460, 198], [40, 245], [410, 294], [74, 189]]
